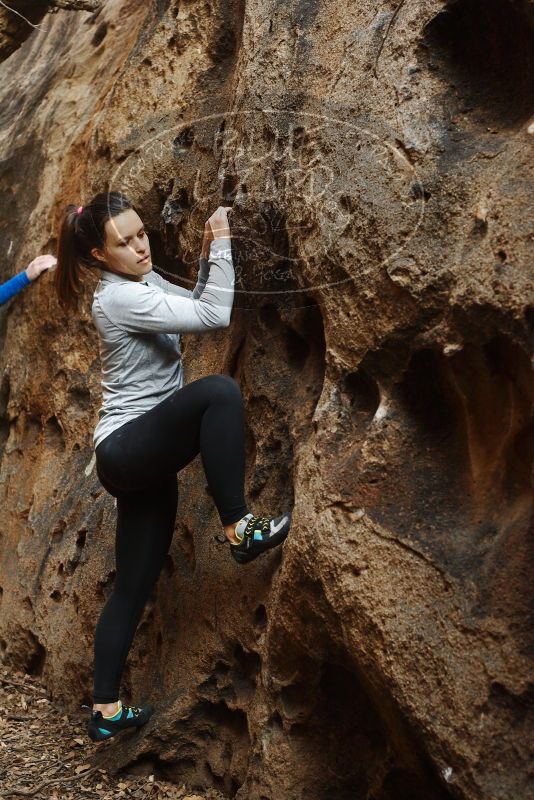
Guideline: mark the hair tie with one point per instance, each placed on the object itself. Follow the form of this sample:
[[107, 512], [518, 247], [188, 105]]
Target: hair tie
[[79, 210]]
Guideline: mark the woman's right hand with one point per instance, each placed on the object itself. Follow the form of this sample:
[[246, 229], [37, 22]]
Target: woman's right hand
[[216, 227]]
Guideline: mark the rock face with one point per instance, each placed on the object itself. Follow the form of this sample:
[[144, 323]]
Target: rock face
[[378, 164]]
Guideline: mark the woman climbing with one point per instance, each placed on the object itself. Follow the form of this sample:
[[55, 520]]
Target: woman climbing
[[151, 425], [22, 279]]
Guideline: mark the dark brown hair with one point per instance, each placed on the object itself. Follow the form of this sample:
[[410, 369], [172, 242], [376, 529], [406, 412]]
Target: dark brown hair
[[78, 235]]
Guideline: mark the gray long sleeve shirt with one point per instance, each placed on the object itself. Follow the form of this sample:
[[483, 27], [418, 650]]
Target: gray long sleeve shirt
[[139, 325]]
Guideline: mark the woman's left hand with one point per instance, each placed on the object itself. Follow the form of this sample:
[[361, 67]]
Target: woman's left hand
[[39, 264], [216, 226]]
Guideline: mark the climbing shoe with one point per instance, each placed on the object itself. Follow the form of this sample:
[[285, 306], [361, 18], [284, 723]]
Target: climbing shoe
[[100, 727], [257, 534]]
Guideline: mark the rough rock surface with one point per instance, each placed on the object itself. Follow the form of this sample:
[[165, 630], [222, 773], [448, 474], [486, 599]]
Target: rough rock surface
[[379, 168]]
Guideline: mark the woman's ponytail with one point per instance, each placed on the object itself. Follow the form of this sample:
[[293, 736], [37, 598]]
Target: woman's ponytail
[[67, 280], [82, 230]]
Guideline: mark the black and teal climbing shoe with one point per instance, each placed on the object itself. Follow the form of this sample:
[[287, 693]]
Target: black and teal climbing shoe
[[257, 534], [100, 727]]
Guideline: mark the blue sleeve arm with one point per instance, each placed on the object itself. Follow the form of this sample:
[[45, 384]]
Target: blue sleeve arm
[[13, 286]]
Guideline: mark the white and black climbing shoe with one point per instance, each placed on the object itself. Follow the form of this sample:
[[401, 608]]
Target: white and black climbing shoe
[[257, 534]]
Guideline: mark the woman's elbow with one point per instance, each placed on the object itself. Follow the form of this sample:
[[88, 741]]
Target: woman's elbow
[[225, 320], [214, 322], [224, 314]]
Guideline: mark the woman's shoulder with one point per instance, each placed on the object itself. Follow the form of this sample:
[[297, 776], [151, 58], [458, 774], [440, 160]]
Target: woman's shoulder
[[117, 300], [121, 288]]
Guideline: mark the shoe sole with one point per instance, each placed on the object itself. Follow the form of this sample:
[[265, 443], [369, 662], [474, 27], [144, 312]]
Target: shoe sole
[[100, 737]]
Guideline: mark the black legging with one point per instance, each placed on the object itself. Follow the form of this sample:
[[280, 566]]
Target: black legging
[[137, 464]]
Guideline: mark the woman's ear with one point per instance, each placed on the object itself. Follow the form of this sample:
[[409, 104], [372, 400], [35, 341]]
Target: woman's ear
[[98, 254]]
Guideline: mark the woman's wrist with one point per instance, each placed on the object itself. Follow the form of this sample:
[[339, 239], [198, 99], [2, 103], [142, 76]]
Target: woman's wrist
[[224, 241], [221, 247]]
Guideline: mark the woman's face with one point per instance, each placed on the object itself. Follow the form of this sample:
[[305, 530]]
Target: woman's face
[[127, 249]]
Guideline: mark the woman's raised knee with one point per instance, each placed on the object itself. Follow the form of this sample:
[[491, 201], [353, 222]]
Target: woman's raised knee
[[224, 386]]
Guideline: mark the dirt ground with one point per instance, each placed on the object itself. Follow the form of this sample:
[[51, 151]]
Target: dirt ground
[[46, 754]]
